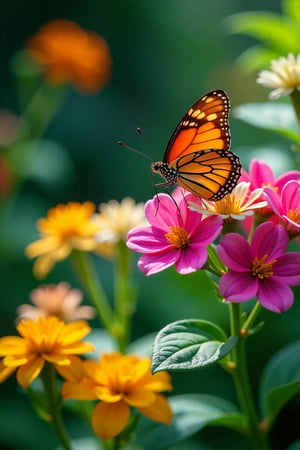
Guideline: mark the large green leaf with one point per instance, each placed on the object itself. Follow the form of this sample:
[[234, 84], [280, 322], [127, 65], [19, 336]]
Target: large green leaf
[[292, 8], [192, 412], [280, 380], [189, 344], [279, 117], [278, 32]]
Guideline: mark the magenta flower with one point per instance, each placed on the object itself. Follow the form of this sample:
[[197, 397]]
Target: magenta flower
[[173, 237], [260, 269], [286, 206]]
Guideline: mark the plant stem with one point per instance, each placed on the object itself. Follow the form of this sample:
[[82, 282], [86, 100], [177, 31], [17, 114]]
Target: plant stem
[[124, 294], [295, 97], [241, 380], [48, 377], [86, 272], [252, 316]]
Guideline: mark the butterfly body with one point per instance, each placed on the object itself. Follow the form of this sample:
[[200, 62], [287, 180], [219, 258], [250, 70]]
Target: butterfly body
[[197, 156]]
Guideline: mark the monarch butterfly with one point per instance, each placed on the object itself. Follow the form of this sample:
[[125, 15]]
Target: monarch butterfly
[[197, 156]]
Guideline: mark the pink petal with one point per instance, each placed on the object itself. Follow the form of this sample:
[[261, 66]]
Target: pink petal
[[273, 200], [238, 287], [275, 296], [153, 263], [147, 239], [260, 174], [290, 196], [162, 212], [234, 251], [285, 177], [287, 269], [269, 239], [206, 230], [191, 259]]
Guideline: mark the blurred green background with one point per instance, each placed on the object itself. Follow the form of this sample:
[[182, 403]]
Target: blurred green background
[[165, 55]]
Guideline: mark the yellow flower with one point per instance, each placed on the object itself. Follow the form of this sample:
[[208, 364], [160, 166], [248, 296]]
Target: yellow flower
[[56, 300], [234, 206], [66, 227], [284, 76], [115, 221], [45, 340], [69, 54], [119, 382]]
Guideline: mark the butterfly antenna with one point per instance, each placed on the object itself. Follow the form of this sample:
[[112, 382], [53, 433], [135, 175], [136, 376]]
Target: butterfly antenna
[[134, 150]]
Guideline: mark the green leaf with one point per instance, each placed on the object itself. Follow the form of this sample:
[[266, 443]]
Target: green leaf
[[192, 413], [279, 117], [256, 58], [188, 345], [278, 32], [280, 380], [292, 8]]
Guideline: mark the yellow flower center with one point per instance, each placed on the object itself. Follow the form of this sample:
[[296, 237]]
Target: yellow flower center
[[228, 205], [178, 237], [261, 269], [294, 215]]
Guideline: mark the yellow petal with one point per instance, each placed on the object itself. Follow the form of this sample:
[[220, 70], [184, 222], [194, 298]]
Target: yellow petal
[[5, 372], [41, 247], [139, 397], [30, 371], [43, 266], [107, 395], [159, 410], [10, 345], [74, 331], [84, 390], [109, 419], [74, 372]]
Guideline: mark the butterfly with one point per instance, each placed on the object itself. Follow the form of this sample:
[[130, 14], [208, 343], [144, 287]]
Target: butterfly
[[197, 156]]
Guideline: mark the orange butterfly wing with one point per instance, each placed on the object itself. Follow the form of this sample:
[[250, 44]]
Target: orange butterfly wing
[[198, 154]]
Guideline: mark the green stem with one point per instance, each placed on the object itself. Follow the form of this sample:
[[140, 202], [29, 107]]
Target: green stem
[[252, 317], [87, 274], [295, 97], [48, 377], [39, 112], [124, 294], [241, 380]]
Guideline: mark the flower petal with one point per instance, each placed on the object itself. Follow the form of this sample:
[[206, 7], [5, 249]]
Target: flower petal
[[161, 212], [84, 390], [147, 240], [287, 269], [153, 263], [234, 251], [30, 371], [109, 419], [269, 239], [191, 259], [5, 371], [238, 286], [275, 296], [159, 410]]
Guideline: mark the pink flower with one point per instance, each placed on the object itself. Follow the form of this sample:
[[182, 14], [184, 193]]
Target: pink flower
[[261, 175], [286, 206], [173, 237], [260, 269]]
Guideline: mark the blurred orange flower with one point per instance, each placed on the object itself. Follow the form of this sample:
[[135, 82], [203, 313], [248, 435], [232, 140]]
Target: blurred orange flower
[[67, 227], [69, 54], [56, 300]]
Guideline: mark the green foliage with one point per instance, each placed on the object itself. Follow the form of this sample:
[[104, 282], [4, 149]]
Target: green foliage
[[279, 34], [280, 380], [188, 345], [191, 414], [278, 117]]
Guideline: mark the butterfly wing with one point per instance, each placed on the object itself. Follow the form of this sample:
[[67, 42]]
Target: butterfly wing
[[198, 149], [204, 126]]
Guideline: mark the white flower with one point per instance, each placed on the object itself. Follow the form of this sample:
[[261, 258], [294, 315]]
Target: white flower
[[117, 219], [284, 76], [236, 205]]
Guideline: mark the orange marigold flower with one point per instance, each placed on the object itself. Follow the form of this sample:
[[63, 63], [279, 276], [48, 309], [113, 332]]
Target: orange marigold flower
[[46, 340], [66, 227], [69, 54], [119, 382], [56, 300]]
